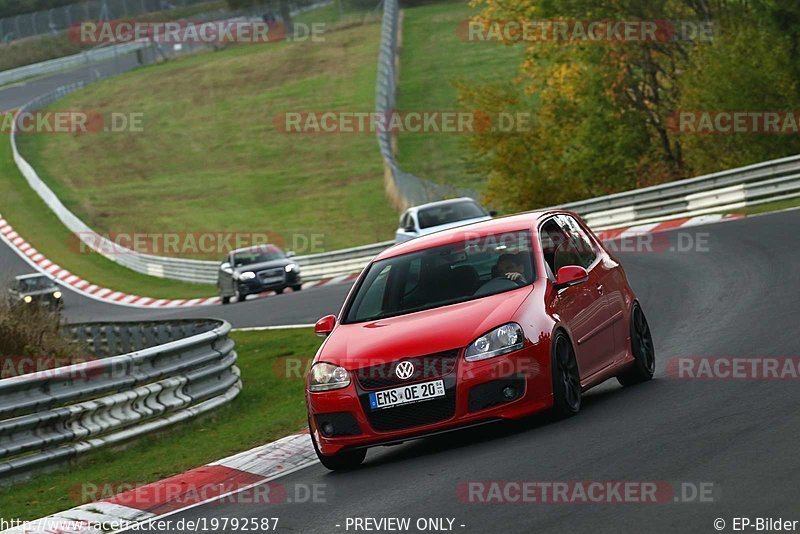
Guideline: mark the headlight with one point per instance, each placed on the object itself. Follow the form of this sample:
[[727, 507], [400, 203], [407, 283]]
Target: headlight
[[28, 299], [291, 267], [248, 275], [326, 376], [57, 295], [501, 340]]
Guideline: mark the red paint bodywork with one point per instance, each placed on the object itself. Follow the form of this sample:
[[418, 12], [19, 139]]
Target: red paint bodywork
[[595, 315]]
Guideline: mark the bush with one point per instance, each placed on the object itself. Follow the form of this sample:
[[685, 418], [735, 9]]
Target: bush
[[31, 340]]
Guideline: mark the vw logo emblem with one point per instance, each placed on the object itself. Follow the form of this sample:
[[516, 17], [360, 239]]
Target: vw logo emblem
[[404, 370]]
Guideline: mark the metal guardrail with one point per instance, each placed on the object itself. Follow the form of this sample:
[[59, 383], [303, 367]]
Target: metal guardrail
[[726, 190], [68, 62], [143, 377]]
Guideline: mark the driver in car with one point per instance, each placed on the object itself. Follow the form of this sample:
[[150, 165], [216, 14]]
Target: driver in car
[[508, 266]]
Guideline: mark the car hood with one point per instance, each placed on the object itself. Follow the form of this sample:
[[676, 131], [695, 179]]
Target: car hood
[[255, 267], [426, 332]]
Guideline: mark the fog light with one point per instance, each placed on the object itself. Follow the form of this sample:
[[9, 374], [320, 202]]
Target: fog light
[[327, 429], [509, 392], [28, 299]]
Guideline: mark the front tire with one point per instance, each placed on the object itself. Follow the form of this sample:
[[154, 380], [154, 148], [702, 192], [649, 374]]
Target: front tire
[[240, 297], [644, 353], [225, 300], [566, 378], [298, 287], [344, 461]]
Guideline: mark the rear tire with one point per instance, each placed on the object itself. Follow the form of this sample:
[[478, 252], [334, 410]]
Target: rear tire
[[344, 461], [644, 353], [225, 300], [279, 291], [566, 378], [297, 287]]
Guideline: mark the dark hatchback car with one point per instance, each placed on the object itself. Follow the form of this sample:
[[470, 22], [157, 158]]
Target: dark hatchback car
[[251, 270], [32, 289]]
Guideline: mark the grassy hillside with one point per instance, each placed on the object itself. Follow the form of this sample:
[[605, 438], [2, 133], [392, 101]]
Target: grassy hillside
[[210, 159], [432, 59]]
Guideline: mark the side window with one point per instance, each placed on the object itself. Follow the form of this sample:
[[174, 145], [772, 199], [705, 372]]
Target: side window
[[552, 237], [582, 251]]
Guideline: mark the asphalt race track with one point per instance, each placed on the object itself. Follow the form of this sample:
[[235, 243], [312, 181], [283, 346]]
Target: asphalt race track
[[735, 298], [16, 94]]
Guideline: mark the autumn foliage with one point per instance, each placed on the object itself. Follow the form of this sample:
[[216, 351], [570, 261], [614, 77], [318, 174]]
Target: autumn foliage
[[603, 112]]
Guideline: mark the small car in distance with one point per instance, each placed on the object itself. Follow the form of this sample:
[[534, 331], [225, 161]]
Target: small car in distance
[[434, 216], [496, 320], [37, 289], [255, 269]]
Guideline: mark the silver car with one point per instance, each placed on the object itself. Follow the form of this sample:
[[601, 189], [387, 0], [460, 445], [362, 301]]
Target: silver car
[[434, 216]]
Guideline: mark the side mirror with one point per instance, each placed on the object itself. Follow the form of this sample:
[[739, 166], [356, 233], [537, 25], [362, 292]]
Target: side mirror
[[290, 253], [493, 213], [226, 267], [325, 325], [570, 275], [409, 228]]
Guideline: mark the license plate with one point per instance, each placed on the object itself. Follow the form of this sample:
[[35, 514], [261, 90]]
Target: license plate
[[272, 279], [389, 398]]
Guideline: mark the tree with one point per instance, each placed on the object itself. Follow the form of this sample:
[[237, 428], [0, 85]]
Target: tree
[[604, 110]]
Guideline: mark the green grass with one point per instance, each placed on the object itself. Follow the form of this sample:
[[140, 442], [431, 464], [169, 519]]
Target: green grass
[[269, 407], [770, 206], [432, 58], [209, 158], [31, 217]]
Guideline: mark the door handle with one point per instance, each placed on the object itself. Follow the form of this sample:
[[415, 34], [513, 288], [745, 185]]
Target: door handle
[[600, 288]]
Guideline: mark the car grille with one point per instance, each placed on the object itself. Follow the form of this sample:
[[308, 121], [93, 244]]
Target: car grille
[[426, 367], [271, 274], [412, 415]]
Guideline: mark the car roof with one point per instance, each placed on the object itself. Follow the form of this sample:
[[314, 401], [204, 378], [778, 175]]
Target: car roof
[[268, 246], [510, 223], [441, 203], [32, 275]]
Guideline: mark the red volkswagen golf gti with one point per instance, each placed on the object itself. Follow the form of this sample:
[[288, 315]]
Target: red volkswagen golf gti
[[495, 320]]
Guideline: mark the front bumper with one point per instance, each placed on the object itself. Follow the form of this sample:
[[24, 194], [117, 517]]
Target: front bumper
[[472, 397], [257, 285]]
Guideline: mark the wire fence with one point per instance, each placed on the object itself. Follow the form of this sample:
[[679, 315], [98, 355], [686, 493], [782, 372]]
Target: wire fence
[[56, 20], [403, 188]]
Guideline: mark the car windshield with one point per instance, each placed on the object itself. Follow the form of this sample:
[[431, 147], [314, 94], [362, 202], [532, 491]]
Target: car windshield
[[249, 257], [447, 274], [449, 213], [35, 283]]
